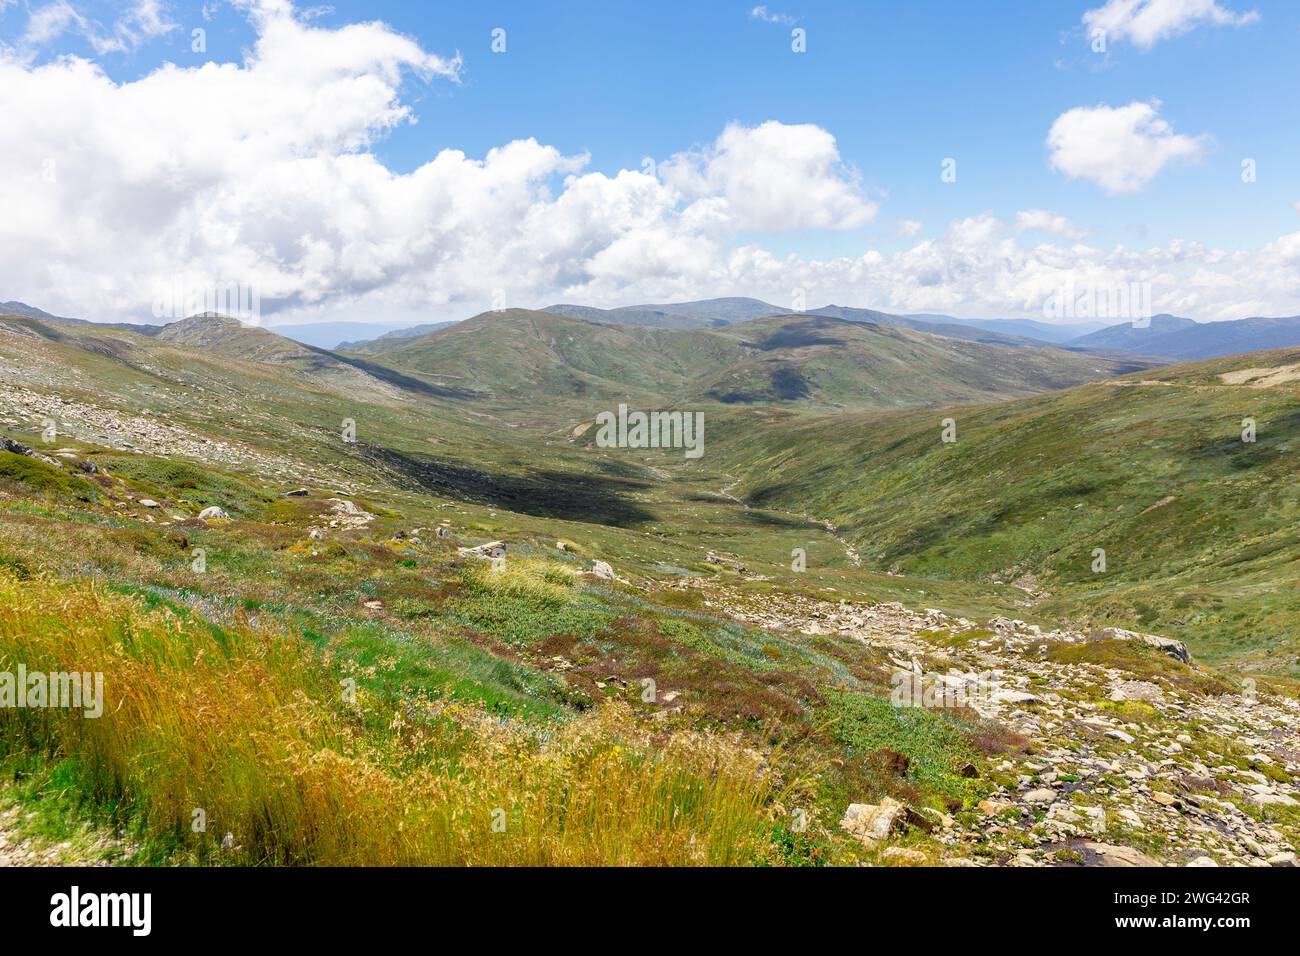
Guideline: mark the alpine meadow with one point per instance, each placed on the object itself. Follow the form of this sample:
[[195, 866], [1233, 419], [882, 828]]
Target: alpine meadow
[[584, 435]]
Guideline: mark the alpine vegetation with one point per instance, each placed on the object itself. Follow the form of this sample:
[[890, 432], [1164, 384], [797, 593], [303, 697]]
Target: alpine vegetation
[[651, 430]]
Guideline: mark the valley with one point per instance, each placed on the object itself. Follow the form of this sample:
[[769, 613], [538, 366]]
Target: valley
[[655, 675]]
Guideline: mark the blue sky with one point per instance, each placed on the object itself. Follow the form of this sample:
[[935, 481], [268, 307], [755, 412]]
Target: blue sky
[[899, 86]]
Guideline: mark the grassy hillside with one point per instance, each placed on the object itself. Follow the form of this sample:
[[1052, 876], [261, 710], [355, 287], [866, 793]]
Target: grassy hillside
[[575, 367], [517, 356], [1198, 526], [828, 360]]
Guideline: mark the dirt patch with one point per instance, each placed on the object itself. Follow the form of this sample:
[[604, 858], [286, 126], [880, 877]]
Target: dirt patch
[[1262, 377]]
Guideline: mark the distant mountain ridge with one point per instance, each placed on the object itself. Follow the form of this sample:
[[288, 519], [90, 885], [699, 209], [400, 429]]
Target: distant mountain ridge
[[31, 312], [1165, 337], [380, 342], [333, 335], [702, 314], [1173, 337]]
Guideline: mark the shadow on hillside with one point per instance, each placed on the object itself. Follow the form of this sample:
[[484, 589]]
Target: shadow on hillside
[[385, 374], [800, 335], [547, 494], [785, 383], [769, 519]]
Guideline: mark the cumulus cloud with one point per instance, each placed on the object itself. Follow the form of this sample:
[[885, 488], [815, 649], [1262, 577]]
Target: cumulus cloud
[[909, 227], [1041, 220], [1144, 23], [1122, 148], [263, 172], [977, 267], [773, 176]]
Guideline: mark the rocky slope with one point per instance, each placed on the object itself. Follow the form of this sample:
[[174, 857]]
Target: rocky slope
[[1133, 756]]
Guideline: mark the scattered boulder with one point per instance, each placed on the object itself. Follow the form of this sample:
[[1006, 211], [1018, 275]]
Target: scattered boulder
[[18, 448], [1167, 645], [901, 856], [148, 503], [1273, 799], [295, 493], [493, 549], [1041, 795], [1103, 854], [602, 570], [872, 823], [348, 514], [208, 514]]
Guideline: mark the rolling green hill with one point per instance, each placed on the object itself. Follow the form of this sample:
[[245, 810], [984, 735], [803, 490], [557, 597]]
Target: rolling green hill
[[1198, 526], [525, 358], [520, 357]]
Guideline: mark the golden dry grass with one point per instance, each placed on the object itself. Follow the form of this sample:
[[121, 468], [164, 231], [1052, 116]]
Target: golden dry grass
[[253, 727]]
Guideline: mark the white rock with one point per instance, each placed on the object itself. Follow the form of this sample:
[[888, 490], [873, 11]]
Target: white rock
[[904, 856], [871, 822]]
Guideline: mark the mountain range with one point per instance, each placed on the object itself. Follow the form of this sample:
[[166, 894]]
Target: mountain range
[[1164, 337]]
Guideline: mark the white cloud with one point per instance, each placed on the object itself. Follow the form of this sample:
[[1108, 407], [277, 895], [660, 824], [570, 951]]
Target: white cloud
[[909, 227], [762, 13], [143, 21], [50, 21], [1144, 23], [1121, 149], [262, 172], [772, 177], [1041, 220]]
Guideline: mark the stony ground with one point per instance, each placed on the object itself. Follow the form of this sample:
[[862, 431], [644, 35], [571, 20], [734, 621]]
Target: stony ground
[[1173, 765], [80, 845]]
